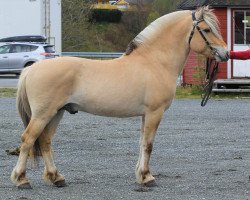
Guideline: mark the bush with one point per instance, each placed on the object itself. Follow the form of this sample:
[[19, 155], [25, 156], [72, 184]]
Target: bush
[[106, 15], [135, 21], [152, 16]]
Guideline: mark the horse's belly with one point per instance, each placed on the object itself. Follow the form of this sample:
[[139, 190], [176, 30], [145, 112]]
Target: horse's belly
[[113, 113], [109, 111], [111, 106], [116, 108]]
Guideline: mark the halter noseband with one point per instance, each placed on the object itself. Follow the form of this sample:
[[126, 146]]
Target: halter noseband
[[196, 25]]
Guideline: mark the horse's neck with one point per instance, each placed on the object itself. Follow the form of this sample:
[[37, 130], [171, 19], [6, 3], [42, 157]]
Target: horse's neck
[[169, 47]]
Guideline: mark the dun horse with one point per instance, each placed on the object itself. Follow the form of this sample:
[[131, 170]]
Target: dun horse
[[142, 82]]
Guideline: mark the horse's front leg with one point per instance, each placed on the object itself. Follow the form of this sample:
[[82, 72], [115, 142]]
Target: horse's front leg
[[150, 123]]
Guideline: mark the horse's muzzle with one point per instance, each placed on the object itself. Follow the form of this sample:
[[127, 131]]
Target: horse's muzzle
[[221, 55]]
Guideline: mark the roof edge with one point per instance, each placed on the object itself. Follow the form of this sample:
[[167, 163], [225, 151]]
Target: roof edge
[[184, 6]]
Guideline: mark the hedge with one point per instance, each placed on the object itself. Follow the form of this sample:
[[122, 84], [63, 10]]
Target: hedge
[[106, 15]]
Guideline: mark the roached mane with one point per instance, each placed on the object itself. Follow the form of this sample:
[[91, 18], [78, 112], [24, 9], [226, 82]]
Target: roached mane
[[202, 13]]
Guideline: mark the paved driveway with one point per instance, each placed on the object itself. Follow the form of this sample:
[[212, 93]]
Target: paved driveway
[[199, 153]]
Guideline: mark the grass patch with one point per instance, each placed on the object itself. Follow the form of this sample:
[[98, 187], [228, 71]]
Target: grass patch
[[8, 92], [189, 92]]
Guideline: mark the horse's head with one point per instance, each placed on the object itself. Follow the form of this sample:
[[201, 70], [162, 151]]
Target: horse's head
[[205, 37]]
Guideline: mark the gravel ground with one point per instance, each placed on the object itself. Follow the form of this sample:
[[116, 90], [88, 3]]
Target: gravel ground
[[199, 153]]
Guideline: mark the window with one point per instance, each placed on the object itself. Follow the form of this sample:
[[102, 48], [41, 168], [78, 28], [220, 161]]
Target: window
[[15, 49], [4, 49], [242, 27], [49, 49], [19, 48], [33, 48], [248, 27], [28, 48]]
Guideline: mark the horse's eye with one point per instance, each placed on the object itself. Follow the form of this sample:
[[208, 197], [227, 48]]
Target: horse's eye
[[207, 30]]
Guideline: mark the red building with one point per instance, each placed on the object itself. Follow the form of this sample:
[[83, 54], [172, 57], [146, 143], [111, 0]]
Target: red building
[[234, 18]]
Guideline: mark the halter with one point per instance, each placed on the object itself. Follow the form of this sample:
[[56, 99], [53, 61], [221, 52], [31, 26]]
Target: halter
[[210, 71], [196, 26]]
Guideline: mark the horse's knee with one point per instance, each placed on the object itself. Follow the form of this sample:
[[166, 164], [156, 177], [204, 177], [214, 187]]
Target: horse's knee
[[45, 144], [24, 136], [26, 146]]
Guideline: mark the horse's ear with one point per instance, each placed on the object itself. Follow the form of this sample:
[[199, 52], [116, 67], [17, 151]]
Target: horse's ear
[[207, 8], [201, 10], [199, 13]]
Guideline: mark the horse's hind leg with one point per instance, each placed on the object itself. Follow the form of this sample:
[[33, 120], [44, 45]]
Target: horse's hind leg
[[50, 171], [150, 123], [29, 136]]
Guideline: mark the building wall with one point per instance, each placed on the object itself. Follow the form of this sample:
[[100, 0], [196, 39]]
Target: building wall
[[31, 17], [221, 14], [55, 36], [189, 69], [189, 72], [20, 17]]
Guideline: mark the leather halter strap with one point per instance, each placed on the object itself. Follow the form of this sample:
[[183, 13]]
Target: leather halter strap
[[196, 26], [193, 16]]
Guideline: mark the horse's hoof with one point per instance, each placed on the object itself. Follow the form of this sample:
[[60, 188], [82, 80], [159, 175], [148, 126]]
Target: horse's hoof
[[60, 183], [24, 186], [150, 184]]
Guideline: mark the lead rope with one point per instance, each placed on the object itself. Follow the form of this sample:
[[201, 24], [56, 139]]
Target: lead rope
[[207, 89]]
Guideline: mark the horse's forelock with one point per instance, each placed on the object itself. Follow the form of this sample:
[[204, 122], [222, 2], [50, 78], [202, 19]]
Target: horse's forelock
[[210, 18]]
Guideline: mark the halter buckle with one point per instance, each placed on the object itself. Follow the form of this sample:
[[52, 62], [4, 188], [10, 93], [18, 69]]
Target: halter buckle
[[195, 23]]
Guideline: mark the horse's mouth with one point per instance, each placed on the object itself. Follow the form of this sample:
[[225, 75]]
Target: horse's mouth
[[221, 56]]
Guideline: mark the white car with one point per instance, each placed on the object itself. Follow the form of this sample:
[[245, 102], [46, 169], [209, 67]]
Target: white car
[[14, 56]]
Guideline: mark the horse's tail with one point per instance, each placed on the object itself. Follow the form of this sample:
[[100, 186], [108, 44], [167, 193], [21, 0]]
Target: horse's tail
[[24, 109], [22, 101]]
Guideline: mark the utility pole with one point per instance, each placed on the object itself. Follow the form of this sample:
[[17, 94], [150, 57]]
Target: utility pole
[[47, 22]]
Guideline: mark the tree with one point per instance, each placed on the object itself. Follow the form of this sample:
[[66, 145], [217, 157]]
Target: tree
[[162, 7], [74, 17], [136, 20], [79, 34], [165, 6]]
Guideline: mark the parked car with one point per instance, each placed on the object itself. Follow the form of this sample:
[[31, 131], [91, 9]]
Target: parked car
[[14, 56]]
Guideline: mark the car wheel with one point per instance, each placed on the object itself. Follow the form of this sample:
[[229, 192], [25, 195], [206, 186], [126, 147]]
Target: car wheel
[[28, 64]]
